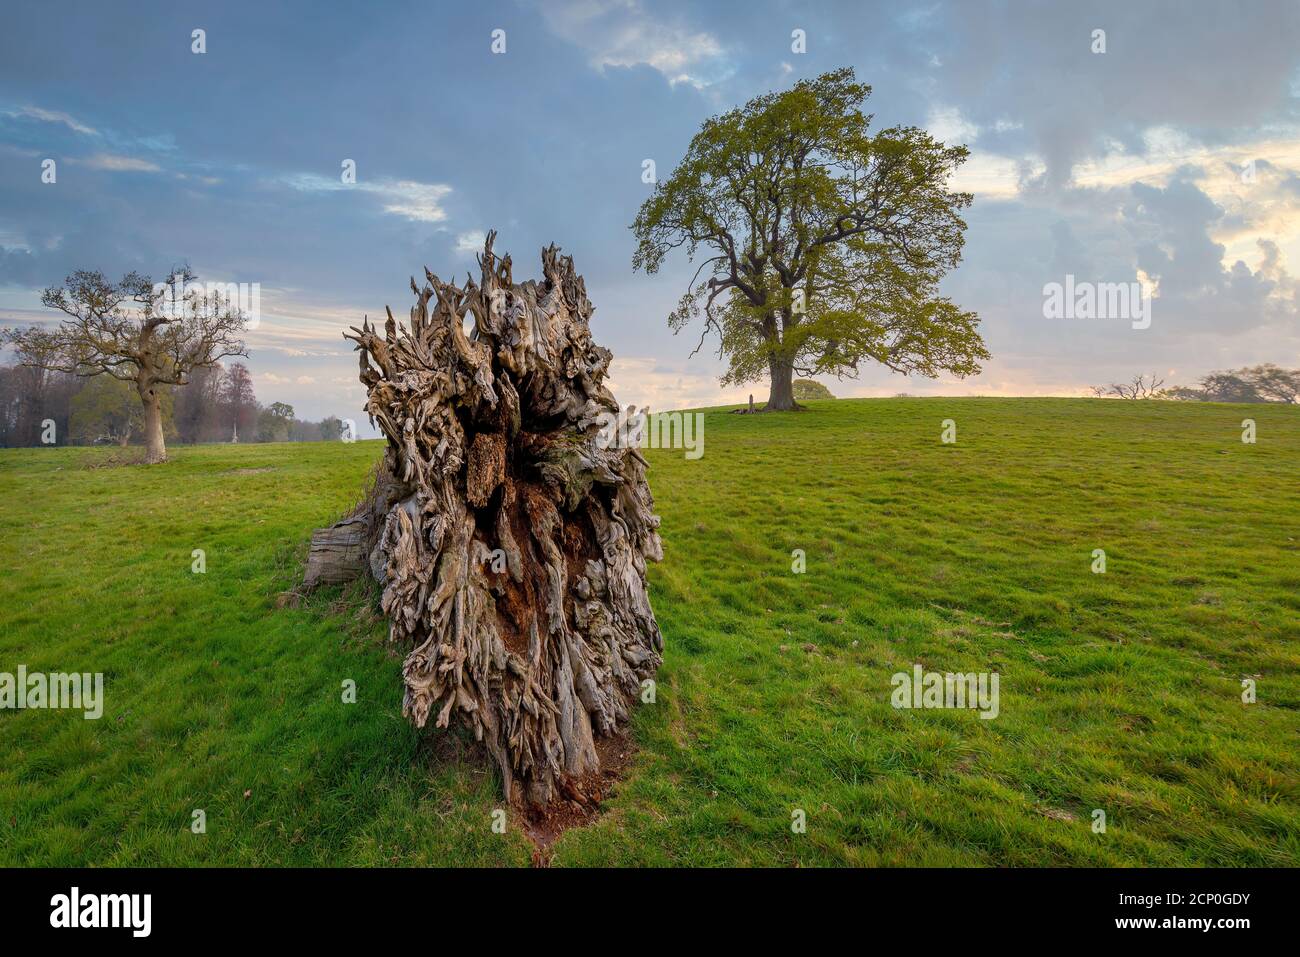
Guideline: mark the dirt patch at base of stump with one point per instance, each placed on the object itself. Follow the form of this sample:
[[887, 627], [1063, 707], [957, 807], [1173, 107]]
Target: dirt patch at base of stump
[[545, 825]]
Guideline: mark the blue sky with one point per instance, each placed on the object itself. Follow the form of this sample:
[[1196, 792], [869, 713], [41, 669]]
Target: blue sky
[[1113, 167]]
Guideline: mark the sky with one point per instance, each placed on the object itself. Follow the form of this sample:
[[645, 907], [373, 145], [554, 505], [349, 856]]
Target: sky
[[1171, 159]]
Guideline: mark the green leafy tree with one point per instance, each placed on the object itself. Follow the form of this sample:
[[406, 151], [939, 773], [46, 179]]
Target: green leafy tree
[[825, 243], [1261, 383], [275, 422], [108, 409], [1272, 383], [271, 427], [811, 389], [331, 427]]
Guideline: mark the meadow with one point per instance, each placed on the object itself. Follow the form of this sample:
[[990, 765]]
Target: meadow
[[1120, 692]]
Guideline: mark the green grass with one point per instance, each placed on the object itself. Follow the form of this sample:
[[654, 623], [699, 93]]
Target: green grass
[[1119, 691]]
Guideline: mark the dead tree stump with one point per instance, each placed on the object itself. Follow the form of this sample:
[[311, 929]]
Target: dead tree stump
[[512, 543]]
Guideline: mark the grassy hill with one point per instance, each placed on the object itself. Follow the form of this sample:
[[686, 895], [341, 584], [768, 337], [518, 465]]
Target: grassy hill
[[1119, 691]]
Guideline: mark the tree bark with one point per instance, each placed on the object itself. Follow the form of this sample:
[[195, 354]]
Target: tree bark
[[512, 545], [156, 449], [780, 396]]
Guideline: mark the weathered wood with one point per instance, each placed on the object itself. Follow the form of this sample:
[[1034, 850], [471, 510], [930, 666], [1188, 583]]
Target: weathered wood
[[349, 548], [512, 542], [339, 553]]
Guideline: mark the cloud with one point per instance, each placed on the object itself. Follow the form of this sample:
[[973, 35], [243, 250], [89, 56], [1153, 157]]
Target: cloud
[[647, 382], [1173, 228], [990, 176], [274, 379], [410, 199], [117, 164], [471, 242], [418, 202], [1216, 77], [205, 180], [52, 116], [946, 123], [295, 353], [619, 33]]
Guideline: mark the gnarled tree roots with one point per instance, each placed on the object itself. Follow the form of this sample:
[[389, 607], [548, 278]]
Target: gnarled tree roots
[[511, 545]]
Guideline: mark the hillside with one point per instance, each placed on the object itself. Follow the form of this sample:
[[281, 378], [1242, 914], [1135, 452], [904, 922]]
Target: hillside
[[1118, 691]]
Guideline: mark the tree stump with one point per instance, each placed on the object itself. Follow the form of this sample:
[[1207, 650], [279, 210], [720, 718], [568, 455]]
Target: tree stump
[[512, 543]]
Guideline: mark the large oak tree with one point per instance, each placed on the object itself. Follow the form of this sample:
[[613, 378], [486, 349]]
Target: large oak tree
[[151, 335], [825, 242]]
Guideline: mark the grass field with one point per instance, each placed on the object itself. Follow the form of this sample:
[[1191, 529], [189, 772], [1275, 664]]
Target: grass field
[[1119, 691]]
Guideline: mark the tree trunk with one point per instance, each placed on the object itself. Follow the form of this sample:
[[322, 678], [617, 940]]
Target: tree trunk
[[780, 396], [513, 546], [155, 449]]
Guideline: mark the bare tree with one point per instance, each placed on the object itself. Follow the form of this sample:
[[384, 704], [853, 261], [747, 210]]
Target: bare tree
[[240, 401], [151, 335], [1140, 387]]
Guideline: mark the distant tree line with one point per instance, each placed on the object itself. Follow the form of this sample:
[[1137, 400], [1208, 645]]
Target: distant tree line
[[1261, 383], [218, 404]]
